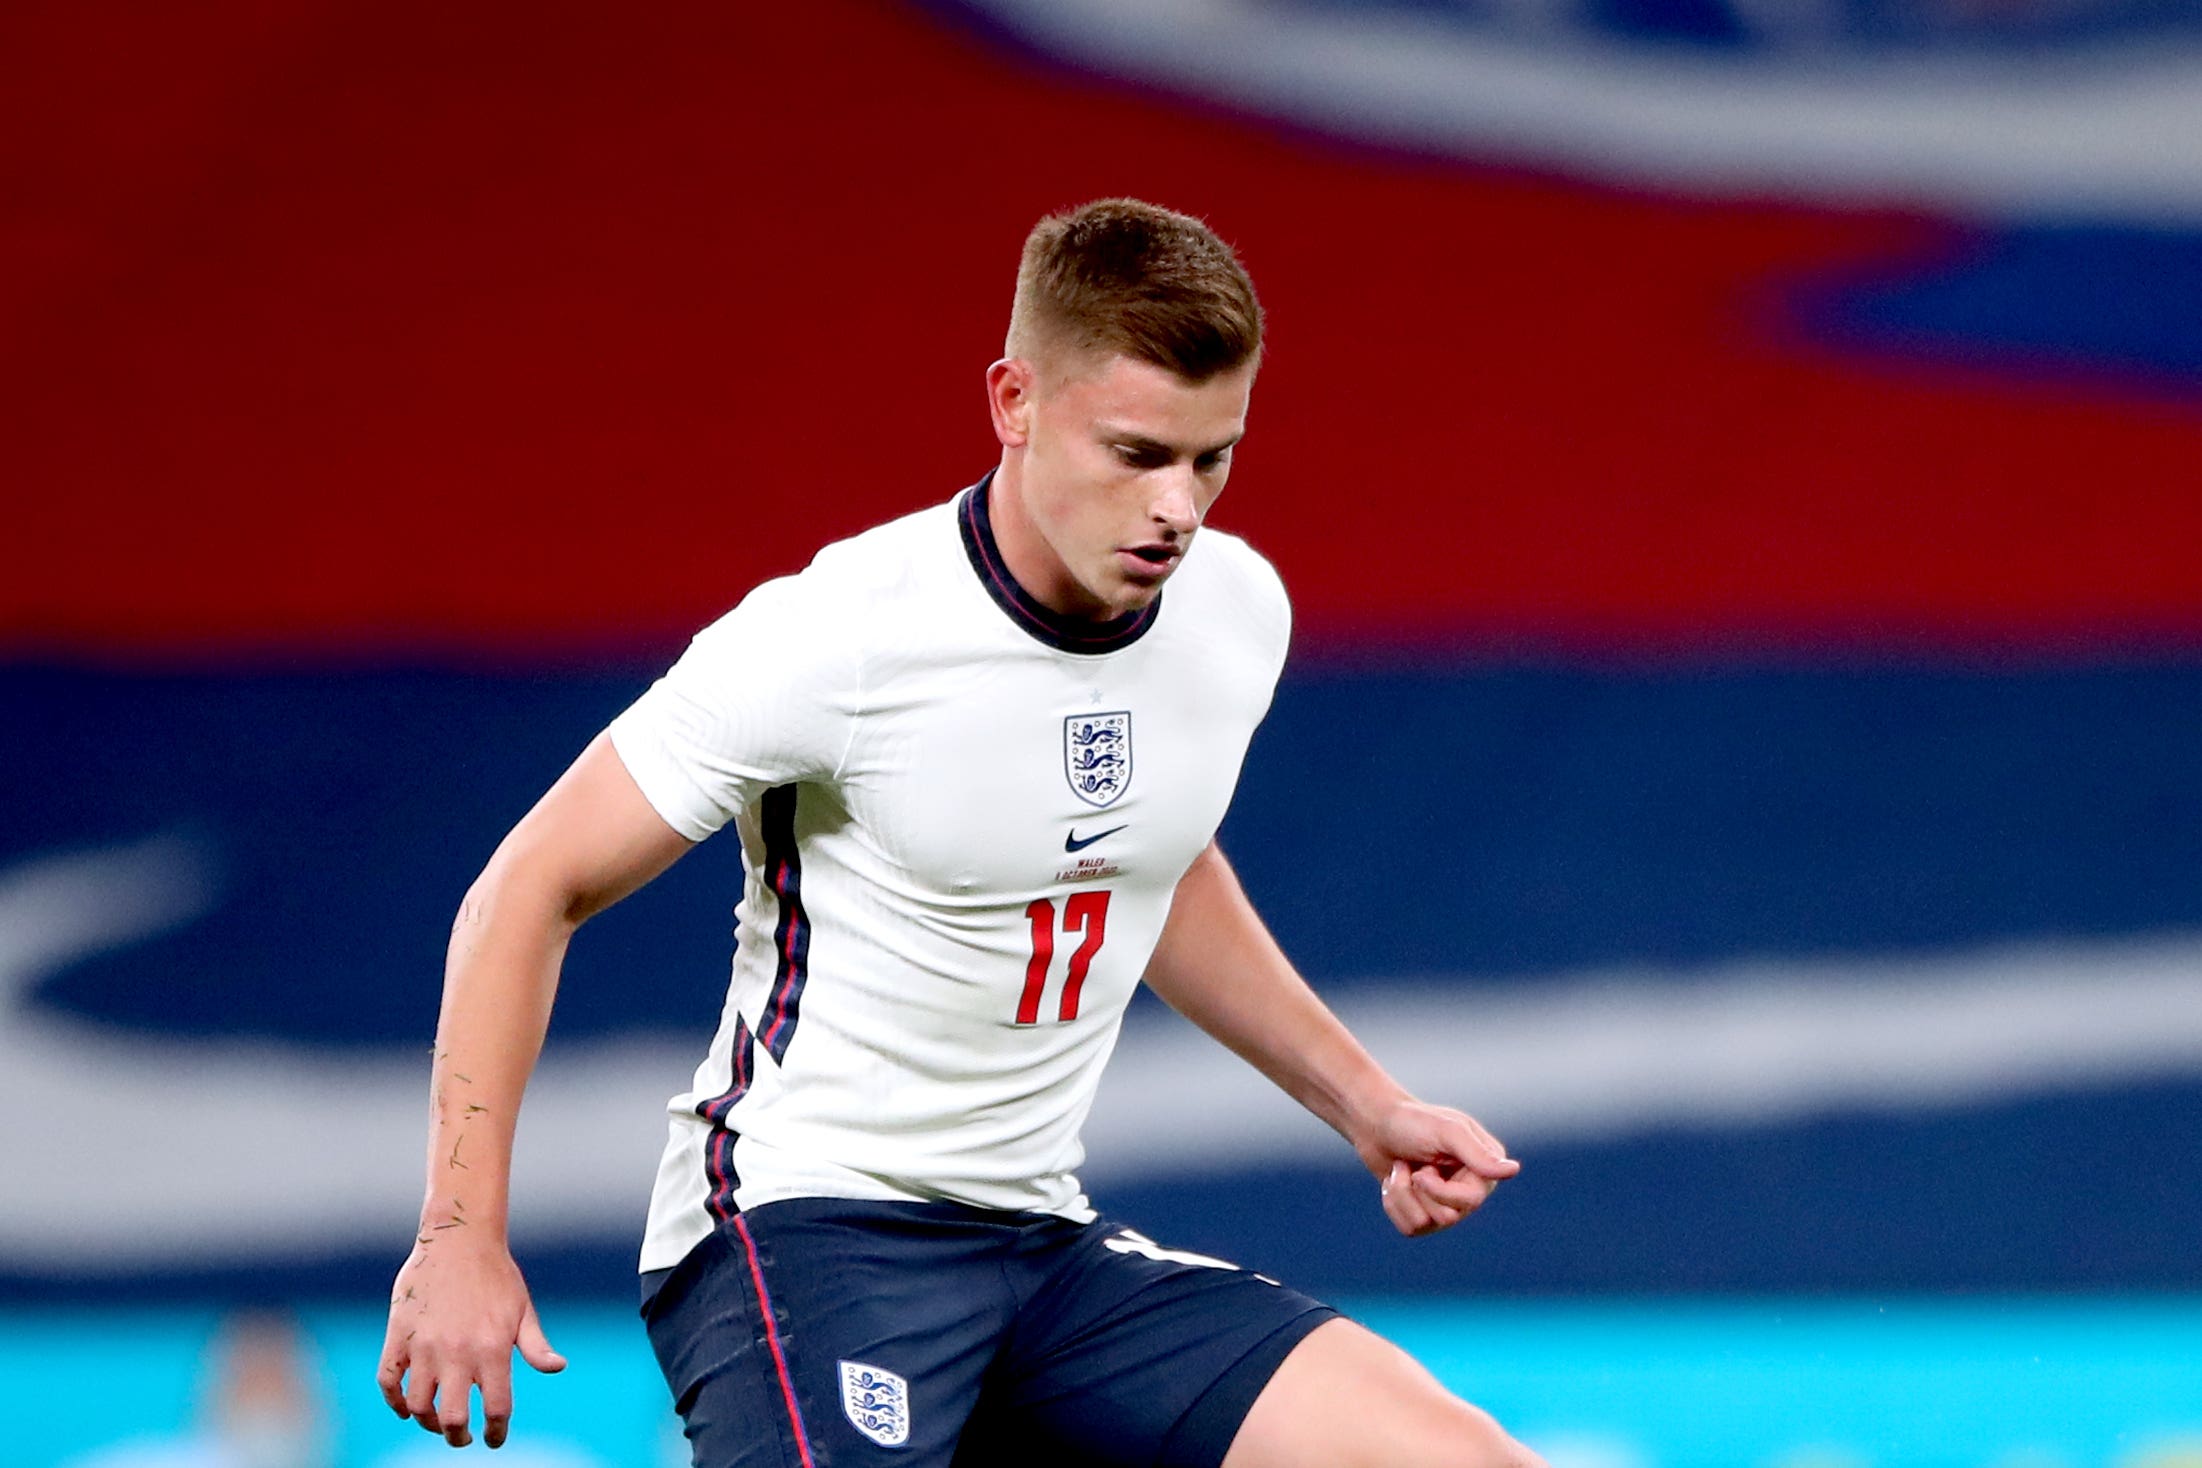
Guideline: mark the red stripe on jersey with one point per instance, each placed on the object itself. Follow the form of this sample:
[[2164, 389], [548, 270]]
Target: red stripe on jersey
[[719, 1147]]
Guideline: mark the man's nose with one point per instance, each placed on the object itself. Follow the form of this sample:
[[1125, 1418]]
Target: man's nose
[[1176, 506]]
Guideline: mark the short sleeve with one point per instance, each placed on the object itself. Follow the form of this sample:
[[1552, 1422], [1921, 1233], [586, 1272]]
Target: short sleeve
[[1280, 619], [1259, 603], [764, 696]]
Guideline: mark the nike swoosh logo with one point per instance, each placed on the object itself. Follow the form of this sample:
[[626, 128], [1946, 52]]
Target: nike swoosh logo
[[1073, 842]]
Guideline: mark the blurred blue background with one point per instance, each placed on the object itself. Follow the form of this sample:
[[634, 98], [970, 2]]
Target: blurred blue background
[[1739, 470]]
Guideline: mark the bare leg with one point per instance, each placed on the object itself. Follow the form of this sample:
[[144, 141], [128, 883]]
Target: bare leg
[[1346, 1398]]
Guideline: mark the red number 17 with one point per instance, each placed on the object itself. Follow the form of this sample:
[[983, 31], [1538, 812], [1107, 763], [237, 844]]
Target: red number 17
[[1084, 912]]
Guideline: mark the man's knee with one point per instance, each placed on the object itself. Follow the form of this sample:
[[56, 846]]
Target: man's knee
[[1349, 1399], [1455, 1434], [1430, 1427], [1463, 1435]]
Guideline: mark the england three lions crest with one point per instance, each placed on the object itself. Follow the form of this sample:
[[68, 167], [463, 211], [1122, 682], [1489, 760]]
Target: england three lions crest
[[1097, 756], [877, 1401]]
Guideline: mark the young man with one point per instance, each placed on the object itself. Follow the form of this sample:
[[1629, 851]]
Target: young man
[[977, 759]]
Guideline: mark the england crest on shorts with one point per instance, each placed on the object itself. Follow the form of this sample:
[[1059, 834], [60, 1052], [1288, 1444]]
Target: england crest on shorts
[[1097, 755], [877, 1401]]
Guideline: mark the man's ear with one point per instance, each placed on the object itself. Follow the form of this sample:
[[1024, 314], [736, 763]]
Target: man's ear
[[1010, 384]]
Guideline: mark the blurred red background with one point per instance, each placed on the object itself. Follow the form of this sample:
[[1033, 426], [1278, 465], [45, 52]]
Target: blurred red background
[[350, 329]]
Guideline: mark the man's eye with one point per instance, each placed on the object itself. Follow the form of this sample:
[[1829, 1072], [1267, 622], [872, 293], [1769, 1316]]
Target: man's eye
[[1139, 458], [1210, 463]]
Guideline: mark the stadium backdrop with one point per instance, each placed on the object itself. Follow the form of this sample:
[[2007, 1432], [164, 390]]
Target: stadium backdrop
[[1741, 739]]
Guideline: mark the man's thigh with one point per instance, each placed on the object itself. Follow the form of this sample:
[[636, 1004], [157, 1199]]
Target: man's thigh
[[814, 1332], [1126, 1354]]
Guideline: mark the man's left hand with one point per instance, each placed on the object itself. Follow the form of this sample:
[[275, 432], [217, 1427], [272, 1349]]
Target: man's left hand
[[1437, 1165]]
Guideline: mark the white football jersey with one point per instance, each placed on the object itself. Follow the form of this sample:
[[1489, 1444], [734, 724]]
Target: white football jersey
[[962, 819]]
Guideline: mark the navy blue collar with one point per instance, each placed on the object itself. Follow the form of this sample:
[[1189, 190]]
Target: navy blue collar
[[1067, 634]]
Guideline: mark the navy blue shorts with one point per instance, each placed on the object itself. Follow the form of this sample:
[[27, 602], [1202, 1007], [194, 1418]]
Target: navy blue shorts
[[825, 1333]]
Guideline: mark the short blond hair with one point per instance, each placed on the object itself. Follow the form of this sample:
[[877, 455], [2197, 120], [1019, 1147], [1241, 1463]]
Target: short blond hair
[[1123, 275]]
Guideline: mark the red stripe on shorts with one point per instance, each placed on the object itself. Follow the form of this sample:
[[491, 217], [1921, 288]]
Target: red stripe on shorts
[[772, 1338]]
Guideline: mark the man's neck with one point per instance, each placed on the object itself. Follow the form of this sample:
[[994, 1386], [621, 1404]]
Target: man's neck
[[1026, 552]]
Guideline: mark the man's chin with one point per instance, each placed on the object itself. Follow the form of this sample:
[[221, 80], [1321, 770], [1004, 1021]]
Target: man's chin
[[1116, 590], [1130, 598]]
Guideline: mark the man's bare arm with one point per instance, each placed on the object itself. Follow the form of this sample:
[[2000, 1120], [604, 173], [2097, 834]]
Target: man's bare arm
[[459, 1306], [1217, 965]]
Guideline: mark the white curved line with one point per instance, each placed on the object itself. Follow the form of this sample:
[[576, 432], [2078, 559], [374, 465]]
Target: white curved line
[[59, 909], [1606, 1056], [2086, 134], [140, 1150]]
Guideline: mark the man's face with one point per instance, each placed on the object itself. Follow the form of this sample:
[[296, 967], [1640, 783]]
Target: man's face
[[1121, 461]]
